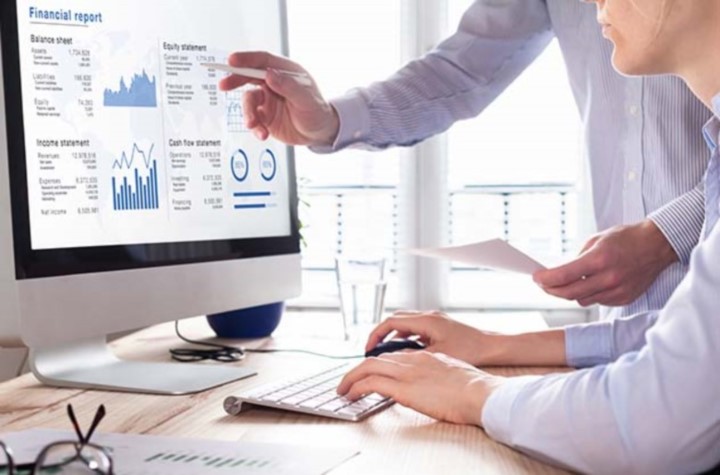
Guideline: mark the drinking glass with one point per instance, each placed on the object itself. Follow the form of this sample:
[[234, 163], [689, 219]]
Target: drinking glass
[[361, 286]]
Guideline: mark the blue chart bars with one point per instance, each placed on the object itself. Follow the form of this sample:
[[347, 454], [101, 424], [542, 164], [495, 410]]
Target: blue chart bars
[[141, 93], [141, 190]]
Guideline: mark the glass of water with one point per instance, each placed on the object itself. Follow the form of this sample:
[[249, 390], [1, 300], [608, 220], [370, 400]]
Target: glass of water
[[361, 286]]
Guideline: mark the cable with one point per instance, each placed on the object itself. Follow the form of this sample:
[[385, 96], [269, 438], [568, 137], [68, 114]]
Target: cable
[[230, 354]]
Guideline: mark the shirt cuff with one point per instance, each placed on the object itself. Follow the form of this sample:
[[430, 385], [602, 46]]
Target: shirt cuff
[[681, 222], [354, 116], [589, 344], [498, 410]]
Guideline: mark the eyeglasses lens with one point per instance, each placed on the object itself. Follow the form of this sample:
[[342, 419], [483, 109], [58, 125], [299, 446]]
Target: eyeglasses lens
[[73, 459]]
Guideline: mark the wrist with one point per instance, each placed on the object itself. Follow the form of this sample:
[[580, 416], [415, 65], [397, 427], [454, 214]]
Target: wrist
[[330, 132], [495, 349], [480, 390], [658, 243]]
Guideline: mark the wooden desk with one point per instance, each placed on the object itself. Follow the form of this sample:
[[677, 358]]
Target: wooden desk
[[395, 441]]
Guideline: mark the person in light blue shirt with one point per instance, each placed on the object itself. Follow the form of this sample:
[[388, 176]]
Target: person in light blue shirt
[[649, 400], [645, 174]]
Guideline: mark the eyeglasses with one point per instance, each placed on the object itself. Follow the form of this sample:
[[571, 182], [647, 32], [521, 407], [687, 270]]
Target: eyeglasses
[[65, 457]]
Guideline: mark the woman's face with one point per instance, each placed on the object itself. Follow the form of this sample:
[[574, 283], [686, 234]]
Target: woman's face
[[651, 36]]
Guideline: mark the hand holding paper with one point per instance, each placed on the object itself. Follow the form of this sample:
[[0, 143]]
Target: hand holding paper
[[496, 254]]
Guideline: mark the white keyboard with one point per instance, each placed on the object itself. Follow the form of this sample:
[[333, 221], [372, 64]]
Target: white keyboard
[[313, 394]]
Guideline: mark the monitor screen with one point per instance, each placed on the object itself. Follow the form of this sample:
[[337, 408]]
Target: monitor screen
[[123, 152]]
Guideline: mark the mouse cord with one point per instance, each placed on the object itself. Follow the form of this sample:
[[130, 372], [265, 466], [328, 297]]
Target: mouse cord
[[229, 354]]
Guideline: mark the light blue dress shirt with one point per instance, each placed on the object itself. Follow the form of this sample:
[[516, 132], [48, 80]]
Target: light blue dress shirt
[[652, 405], [646, 153]]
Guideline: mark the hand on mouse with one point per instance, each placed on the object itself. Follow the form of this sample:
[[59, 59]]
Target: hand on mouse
[[434, 384], [440, 334], [281, 107]]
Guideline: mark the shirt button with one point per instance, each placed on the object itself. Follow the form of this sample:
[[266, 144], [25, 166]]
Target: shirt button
[[633, 110], [631, 176], [357, 134]]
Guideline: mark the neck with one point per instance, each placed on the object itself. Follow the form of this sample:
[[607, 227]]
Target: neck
[[704, 82], [700, 67]]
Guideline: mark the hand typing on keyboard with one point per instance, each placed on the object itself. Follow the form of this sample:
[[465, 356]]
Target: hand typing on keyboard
[[313, 394], [434, 384]]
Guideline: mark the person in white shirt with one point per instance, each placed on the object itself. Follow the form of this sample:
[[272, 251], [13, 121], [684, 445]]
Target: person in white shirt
[[649, 400]]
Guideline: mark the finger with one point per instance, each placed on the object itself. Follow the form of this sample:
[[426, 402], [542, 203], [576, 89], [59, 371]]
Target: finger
[[290, 89], [407, 312], [371, 366], [261, 132], [581, 288], [407, 325], [263, 60], [252, 100], [228, 83], [612, 298], [385, 386], [405, 360], [573, 271], [257, 60], [590, 243], [402, 335]]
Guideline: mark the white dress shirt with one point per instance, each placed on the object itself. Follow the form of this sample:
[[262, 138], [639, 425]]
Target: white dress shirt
[[652, 406]]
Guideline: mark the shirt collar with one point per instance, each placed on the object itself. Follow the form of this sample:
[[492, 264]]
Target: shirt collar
[[711, 131]]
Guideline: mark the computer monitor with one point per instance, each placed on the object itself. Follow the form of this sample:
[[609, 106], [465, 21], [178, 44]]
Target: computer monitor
[[130, 192]]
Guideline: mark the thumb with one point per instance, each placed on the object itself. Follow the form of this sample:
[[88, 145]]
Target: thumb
[[590, 243]]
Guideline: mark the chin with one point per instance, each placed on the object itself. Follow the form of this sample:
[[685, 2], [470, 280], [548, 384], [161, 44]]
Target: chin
[[629, 67]]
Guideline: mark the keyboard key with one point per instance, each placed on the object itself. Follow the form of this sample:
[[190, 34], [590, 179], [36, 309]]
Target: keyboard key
[[375, 397], [296, 399], [334, 405], [318, 401], [363, 404], [350, 411]]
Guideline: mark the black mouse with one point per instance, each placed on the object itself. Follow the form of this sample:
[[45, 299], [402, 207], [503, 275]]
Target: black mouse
[[394, 345]]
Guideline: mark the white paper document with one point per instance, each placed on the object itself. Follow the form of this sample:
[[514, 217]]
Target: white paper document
[[158, 455], [495, 254]]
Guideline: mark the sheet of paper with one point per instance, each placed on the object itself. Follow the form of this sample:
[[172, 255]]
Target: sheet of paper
[[495, 254], [157, 455]]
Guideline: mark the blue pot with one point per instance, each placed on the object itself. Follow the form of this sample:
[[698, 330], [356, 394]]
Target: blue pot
[[253, 322]]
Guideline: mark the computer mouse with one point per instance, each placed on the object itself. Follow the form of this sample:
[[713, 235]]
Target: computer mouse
[[394, 345]]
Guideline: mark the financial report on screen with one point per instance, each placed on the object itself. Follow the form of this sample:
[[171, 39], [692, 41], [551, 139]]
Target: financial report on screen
[[128, 138]]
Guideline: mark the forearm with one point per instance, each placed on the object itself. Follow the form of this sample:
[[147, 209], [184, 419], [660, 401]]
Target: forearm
[[580, 345], [681, 221], [457, 80], [544, 348], [597, 343]]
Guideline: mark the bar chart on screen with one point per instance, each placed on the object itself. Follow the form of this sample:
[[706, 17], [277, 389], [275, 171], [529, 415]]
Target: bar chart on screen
[[159, 455], [139, 189]]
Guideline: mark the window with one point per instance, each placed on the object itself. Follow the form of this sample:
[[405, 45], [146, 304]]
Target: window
[[497, 185], [344, 45], [514, 172]]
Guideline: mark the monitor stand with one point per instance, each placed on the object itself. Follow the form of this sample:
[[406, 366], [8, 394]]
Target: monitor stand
[[91, 365]]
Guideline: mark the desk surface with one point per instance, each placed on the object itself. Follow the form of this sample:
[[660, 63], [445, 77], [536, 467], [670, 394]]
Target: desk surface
[[397, 440]]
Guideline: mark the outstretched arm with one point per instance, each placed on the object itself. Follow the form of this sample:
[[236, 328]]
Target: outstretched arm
[[494, 43]]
